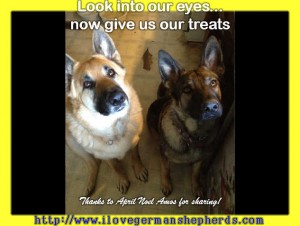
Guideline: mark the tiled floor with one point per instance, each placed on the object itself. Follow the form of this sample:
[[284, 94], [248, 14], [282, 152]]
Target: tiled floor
[[132, 45]]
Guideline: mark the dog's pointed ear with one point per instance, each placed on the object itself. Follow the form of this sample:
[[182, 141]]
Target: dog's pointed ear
[[104, 45], [69, 65], [212, 56], [168, 67]]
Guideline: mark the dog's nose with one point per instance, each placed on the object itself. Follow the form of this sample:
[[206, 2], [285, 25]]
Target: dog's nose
[[116, 97], [211, 107], [211, 110]]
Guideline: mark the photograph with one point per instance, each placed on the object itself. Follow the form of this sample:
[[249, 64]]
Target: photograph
[[150, 113]]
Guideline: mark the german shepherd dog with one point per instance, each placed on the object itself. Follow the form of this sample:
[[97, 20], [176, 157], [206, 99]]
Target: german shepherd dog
[[185, 116], [103, 113]]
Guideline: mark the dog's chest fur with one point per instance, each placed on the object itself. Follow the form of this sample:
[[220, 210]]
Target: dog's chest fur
[[177, 147], [106, 137]]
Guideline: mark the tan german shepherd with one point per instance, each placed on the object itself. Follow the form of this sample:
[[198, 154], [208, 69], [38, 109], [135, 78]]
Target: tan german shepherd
[[103, 113], [185, 116]]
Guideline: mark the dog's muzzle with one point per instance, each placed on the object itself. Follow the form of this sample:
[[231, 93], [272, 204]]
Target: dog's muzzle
[[111, 101], [211, 110]]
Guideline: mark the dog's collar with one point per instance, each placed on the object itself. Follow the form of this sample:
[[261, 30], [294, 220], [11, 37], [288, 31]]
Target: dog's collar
[[191, 141]]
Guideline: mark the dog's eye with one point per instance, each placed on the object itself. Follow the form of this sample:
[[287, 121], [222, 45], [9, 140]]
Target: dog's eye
[[111, 73], [187, 89], [213, 82], [88, 84]]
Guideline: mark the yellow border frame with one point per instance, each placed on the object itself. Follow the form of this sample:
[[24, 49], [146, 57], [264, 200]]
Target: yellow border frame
[[71, 5]]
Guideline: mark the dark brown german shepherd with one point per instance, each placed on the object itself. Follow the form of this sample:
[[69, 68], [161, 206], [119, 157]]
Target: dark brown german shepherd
[[186, 113], [103, 113]]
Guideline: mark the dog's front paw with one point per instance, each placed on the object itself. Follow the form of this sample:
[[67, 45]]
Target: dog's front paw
[[141, 173], [197, 190], [90, 188], [166, 188], [123, 185]]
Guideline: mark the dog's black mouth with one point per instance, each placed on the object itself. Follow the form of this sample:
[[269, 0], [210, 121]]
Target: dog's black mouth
[[211, 116], [112, 109], [121, 107]]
